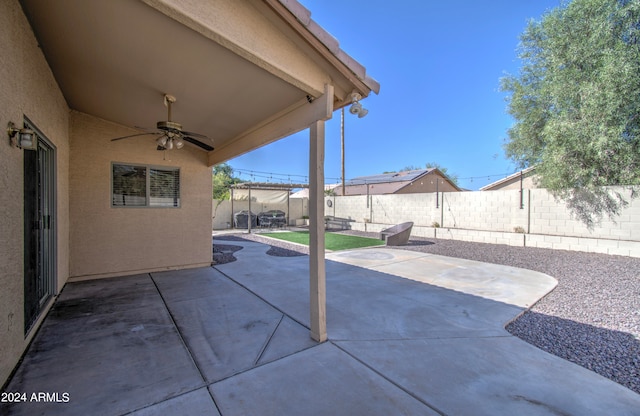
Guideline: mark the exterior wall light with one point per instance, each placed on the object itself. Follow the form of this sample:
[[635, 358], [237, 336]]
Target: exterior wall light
[[23, 138], [357, 108]]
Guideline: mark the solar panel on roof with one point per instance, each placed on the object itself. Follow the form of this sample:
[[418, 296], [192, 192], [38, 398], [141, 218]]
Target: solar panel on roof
[[389, 177]]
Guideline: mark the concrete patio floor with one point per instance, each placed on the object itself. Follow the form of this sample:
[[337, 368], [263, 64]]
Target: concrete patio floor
[[409, 334]]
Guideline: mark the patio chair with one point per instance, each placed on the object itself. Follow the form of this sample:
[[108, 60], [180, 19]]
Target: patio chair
[[398, 235], [264, 221]]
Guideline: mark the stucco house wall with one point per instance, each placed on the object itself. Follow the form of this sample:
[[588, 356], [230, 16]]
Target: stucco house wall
[[432, 181], [525, 179], [528, 182], [110, 241], [103, 240], [27, 88], [427, 184]]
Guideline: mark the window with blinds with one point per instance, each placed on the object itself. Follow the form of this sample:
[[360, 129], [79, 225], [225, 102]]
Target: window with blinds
[[164, 187], [144, 186]]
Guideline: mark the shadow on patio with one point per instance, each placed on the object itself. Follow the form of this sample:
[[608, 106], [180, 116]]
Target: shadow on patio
[[234, 340]]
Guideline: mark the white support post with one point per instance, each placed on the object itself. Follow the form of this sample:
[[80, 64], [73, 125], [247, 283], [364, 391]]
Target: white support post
[[317, 283]]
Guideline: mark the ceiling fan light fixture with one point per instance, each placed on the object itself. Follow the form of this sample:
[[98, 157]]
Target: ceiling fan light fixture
[[170, 134]]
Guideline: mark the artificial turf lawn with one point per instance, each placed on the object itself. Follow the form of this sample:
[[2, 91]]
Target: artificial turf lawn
[[332, 241]]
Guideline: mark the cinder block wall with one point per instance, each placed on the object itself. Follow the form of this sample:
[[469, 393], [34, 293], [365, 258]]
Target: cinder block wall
[[221, 215], [354, 207], [395, 209], [549, 216], [531, 218], [384, 209], [490, 211]]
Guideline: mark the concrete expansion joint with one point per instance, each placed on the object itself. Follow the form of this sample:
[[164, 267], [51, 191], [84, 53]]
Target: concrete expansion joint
[[258, 365], [261, 298], [185, 393], [268, 341], [399, 386], [183, 341]]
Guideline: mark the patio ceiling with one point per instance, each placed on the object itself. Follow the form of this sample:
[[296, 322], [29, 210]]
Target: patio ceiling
[[116, 59]]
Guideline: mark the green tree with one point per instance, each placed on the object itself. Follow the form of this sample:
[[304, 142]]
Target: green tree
[[222, 180], [576, 104]]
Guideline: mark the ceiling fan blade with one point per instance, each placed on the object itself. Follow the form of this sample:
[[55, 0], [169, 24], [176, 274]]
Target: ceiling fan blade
[[188, 133], [135, 135], [198, 143]]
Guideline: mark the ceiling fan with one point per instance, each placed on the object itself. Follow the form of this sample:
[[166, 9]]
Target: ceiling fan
[[171, 134]]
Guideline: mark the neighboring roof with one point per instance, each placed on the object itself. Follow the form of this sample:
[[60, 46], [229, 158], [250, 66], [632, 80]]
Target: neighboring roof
[[393, 177], [304, 193], [395, 181], [508, 178]]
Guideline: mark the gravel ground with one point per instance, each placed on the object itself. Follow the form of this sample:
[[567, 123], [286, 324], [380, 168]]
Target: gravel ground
[[223, 253], [592, 318]]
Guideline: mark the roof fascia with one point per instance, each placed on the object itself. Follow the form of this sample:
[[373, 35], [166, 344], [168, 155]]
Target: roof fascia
[[447, 179], [299, 18], [508, 178], [433, 170], [294, 119]]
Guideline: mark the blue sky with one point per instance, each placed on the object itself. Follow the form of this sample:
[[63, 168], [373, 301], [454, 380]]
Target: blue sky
[[439, 64]]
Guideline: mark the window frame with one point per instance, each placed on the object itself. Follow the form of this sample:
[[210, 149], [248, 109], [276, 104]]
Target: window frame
[[148, 188]]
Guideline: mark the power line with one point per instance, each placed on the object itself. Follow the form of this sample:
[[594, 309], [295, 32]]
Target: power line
[[291, 177], [497, 175], [273, 176]]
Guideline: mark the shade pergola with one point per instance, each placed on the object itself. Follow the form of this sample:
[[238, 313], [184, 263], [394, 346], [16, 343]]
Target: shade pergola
[[265, 186]]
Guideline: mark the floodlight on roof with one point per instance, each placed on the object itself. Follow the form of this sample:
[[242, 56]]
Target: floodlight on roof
[[357, 108]]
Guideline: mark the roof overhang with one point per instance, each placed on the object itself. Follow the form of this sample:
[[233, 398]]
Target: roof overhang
[[502, 181], [245, 73]]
